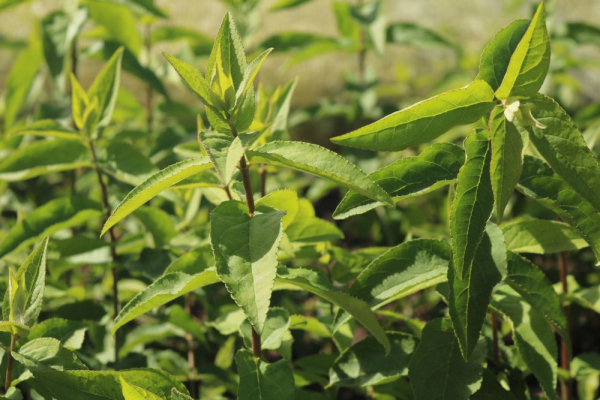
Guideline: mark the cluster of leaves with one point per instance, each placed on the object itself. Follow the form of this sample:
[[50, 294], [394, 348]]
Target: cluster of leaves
[[219, 279]]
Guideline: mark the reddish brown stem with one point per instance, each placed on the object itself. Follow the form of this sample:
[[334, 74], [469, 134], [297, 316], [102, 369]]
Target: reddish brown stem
[[263, 181], [113, 241], [495, 346], [564, 351], [11, 361]]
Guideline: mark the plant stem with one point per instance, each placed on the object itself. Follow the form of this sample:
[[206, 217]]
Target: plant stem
[[362, 54], [263, 181], [564, 351], [113, 240], [495, 347], [149, 93], [190, 351], [11, 361], [250, 202]]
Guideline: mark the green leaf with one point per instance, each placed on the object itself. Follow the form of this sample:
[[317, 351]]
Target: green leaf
[[276, 325], [472, 206], [437, 369], [533, 337], [316, 160], [436, 166], [260, 380], [194, 261], [541, 183], [31, 278], [166, 288], [409, 34], [155, 184], [535, 288], [105, 87], [317, 283], [282, 200], [48, 352], [539, 236], [119, 21], [159, 223], [313, 230], [588, 297], [126, 163], [14, 328], [286, 4], [245, 249], [424, 121], [44, 157], [193, 79], [20, 80], [70, 334], [144, 334], [54, 27], [176, 395], [507, 159], [228, 53], [52, 217], [97, 385], [496, 55], [401, 271], [251, 72], [491, 389], [366, 364], [48, 128], [224, 151], [469, 297], [311, 325], [133, 392], [563, 147], [529, 62]]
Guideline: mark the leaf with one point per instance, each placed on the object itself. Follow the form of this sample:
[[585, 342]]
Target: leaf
[[97, 385], [260, 380], [224, 151], [531, 283], [251, 72], [44, 157], [581, 33], [472, 206], [437, 369], [469, 297], [20, 79], [409, 34], [491, 389], [176, 395], [133, 392], [194, 261], [588, 297], [402, 270], [49, 353], [119, 21], [313, 230], [436, 166], [144, 334], [316, 160], [155, 184], [105, 87], [14, 328], [533, 337], [507, 159], [538, 236], [286, 4], [52, 217], [541, 183], [31, 278], [70, 334], [282, 200], [48, 128], [317, 283], [228, 52], [311, 325], [126, 163], [245, 249], [366, 364], [166, 288], [497, 54], [54, 28], [563, 147], [276, 325], [193, 79], [424, 121], [529, 62], [159, 223]]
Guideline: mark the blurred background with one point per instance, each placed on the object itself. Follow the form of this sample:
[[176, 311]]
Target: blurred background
[[435, 45]]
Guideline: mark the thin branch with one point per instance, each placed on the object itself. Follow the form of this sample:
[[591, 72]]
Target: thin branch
[[11, 361]]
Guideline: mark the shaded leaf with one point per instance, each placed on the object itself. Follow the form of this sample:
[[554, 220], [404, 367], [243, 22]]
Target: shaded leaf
[[260, 380], [540, 236]]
